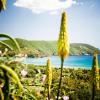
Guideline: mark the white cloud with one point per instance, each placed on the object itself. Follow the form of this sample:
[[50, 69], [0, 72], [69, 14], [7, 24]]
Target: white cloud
[[40, 6]]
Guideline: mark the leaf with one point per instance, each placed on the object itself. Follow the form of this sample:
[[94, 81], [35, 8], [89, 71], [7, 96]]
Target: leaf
[[12, 73], [13, 41], [6, 45]]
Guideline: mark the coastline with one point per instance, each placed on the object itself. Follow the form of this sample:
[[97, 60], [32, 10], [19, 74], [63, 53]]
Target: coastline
[[84, 62]]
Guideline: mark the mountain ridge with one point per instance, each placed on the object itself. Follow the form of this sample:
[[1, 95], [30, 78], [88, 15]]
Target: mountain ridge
[[48, 48]]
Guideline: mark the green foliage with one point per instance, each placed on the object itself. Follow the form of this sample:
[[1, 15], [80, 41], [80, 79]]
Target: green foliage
[[46, 48], [15, 46], [3, 43], [11, 74], [75, 83], [81, 49], [8, 72]]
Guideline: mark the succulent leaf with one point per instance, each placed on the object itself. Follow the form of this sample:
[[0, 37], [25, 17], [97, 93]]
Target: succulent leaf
[[12, 73]]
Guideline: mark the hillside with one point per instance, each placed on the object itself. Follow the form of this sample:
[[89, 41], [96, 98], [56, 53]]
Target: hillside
[[46, 48]]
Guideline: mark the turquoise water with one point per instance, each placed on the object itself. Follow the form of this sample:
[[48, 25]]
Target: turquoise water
[[71, 61]]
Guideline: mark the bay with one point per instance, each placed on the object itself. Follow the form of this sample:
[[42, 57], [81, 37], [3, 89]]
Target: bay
[[84, 61]]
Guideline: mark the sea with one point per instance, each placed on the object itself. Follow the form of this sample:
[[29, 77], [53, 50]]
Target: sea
[[84, 61]]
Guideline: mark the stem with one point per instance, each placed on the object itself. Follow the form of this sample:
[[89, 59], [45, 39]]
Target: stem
[[6, 86], [62, 61], [48, 92], [93, 91], [1, 94]]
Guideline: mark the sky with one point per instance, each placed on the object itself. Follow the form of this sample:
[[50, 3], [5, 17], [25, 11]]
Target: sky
[[40, 20]]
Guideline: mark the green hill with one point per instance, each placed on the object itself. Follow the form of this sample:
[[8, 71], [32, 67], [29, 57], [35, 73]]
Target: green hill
[[47, 48]]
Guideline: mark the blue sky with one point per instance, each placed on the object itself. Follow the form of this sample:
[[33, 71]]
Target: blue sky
[[36, 20]]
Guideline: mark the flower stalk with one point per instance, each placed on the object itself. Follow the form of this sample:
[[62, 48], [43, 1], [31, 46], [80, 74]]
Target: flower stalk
[[49, 77], [95, 75], [63, 47]]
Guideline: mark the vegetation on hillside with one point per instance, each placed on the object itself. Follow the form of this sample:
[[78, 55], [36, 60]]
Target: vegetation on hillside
[[46, 48]]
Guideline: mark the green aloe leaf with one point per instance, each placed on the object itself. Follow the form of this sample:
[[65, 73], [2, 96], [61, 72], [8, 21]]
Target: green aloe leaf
[[12, 74], [5, 44], [17, 48]]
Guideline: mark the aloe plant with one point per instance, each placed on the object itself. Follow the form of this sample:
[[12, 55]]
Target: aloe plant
[[63, 46], [8, 72], [17, 47], [5, 44], [11, 74], [49, 77], [95, 75]]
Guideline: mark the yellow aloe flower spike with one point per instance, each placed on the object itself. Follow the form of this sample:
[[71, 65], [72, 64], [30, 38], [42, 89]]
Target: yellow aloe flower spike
[[2, 5], [95, 71], [63, 41], [49, 76], [63, 47]]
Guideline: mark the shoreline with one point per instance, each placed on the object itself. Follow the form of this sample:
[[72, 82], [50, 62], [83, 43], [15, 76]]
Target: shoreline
[[65, 67]]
